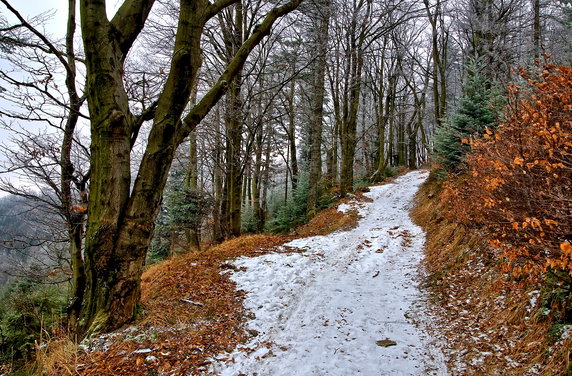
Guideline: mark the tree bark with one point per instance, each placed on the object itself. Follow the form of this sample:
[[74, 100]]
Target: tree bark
[[536, 33], [233, 175], [257, 183], [233, 123], [321, 25], [218, 233], [292, 134], [382, 114], [439, 55], [356, 36], [192, 182], [121, 218]]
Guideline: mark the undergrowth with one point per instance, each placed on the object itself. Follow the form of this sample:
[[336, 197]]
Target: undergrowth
[[28, 312], [294, 212]]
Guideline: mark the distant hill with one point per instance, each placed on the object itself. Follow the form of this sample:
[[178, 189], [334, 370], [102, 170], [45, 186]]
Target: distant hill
[[24, 236]]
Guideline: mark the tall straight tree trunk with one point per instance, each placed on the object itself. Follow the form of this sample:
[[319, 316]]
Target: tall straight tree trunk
[[192, 178], [391, 136], [382, 115], [234, 127], [293, 153], [412, 148], [121, 217], [233, 160], [257, 182], [364, 139], [265, 180], [333, 73], [420, 104], [218, 233], [317, 111], [192, 182], [356, 38], [536, 32], [401, 147], [439, 55]]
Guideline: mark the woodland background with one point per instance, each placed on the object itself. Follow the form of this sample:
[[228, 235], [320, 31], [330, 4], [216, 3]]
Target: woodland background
[[340, 95]]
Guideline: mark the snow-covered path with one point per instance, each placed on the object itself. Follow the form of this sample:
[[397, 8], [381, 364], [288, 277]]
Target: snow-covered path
[[344, 305]]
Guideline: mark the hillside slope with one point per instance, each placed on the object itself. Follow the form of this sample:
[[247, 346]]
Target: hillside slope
[[491, 323]]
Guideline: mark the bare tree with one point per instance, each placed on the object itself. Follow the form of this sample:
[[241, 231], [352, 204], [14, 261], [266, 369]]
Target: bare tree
[[60, 173]]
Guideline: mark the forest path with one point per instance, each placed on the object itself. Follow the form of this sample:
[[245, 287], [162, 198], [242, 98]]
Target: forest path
[[345, 305]]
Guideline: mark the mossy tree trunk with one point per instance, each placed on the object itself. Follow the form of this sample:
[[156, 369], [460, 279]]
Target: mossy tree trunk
[[233, 34], [121, 218]]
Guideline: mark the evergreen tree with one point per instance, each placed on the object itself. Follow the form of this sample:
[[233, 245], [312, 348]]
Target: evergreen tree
[[478, 110], [183, 210]]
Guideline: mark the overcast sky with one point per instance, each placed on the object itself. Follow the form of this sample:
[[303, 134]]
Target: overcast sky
[[57, 25], [55, 28], [31, 8]]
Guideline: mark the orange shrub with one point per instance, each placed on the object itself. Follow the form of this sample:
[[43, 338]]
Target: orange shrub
[[519, 185]]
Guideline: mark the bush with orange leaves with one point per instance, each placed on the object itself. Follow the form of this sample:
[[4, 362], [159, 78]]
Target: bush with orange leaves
[[518, 188]]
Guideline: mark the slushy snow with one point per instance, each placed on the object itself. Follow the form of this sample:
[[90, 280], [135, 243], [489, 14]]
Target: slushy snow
[[344, 305]]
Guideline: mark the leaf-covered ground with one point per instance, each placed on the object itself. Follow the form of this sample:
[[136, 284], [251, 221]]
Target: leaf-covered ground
[[345, 303], [490, 323]]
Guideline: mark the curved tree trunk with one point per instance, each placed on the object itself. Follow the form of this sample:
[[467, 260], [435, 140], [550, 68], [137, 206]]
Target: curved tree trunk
[[121, 219]]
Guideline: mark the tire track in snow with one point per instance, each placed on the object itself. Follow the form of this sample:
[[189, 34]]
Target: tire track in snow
[[324, 311]]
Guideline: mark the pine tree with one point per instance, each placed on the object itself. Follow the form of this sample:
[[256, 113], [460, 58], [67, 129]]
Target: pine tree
[[478, 110], [183, 210]]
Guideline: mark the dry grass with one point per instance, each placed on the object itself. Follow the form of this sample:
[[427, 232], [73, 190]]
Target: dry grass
[[328, 221], [58, 357], [485, 316]]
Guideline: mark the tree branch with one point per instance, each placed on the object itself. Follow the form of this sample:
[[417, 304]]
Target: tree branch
[[219, 5], [199, 111], [129, 20], [59, 54]]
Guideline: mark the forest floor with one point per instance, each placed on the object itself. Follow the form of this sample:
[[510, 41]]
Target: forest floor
[[346, 303], [339, 296]]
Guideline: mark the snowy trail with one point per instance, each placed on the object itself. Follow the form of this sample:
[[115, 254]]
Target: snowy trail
[[324, 311]]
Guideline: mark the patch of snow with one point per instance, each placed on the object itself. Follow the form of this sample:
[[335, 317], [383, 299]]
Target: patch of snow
[[332, 309], [533, 299], [142, 351], [344, 208], [565, 332]]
